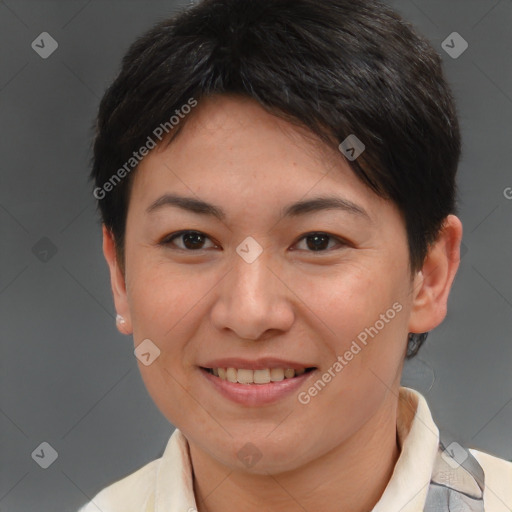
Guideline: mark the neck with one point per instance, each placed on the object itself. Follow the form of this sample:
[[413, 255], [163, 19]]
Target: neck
[[352, 476]]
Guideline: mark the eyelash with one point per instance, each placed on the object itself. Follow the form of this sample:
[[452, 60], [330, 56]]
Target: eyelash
[[168, 240]]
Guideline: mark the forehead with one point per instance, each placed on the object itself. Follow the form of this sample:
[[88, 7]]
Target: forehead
[[238, 125], [231, 149]]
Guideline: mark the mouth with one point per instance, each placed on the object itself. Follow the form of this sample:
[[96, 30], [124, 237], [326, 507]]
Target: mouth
[[257, 377], [257, 387]]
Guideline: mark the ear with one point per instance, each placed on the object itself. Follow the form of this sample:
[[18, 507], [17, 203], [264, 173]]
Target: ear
[[117, 282], [432, 284]]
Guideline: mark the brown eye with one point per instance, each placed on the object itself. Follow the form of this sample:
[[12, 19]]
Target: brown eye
[[318, 242], [191, 240]]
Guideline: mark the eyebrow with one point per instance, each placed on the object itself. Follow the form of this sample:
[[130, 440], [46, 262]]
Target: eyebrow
[[297, 209]]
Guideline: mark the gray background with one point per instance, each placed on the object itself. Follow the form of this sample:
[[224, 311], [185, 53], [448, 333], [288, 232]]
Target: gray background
[[70, 379]]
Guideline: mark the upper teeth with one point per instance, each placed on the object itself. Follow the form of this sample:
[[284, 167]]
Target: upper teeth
[[245, 376]]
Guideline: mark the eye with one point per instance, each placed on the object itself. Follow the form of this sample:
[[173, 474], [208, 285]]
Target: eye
[[319, 241], [192, 240]]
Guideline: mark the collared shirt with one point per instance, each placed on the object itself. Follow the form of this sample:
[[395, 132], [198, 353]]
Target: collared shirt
[[166, 484]]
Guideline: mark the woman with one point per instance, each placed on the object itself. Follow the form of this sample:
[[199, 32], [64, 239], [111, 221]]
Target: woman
[[276, 181]]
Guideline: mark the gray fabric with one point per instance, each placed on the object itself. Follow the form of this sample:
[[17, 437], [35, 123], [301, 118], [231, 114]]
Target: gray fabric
[[458, 481]]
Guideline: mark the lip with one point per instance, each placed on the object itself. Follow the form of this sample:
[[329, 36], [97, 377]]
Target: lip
[[258, 364], [254, 395]]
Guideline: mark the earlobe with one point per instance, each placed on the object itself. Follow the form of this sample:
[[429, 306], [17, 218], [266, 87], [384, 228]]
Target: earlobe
[[432, 284], [117, 282], [121, 324]]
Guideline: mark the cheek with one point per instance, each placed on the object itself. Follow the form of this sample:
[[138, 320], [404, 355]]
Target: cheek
[[350, 301], [364, 349], [362, 317], [166, 304], [162, 296]]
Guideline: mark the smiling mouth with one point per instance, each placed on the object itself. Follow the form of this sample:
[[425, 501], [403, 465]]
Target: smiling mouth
[[264, 376]]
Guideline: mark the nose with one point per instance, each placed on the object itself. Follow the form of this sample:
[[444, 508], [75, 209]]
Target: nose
[[253, 301]]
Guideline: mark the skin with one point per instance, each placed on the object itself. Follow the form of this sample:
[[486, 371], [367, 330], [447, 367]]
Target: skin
[[338, 451]]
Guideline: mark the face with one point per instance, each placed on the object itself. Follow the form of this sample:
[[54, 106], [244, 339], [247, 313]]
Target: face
[[263, 286]]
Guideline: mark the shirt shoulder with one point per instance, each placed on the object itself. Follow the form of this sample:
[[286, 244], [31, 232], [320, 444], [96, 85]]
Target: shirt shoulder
[[498, 481], [132, 493]]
